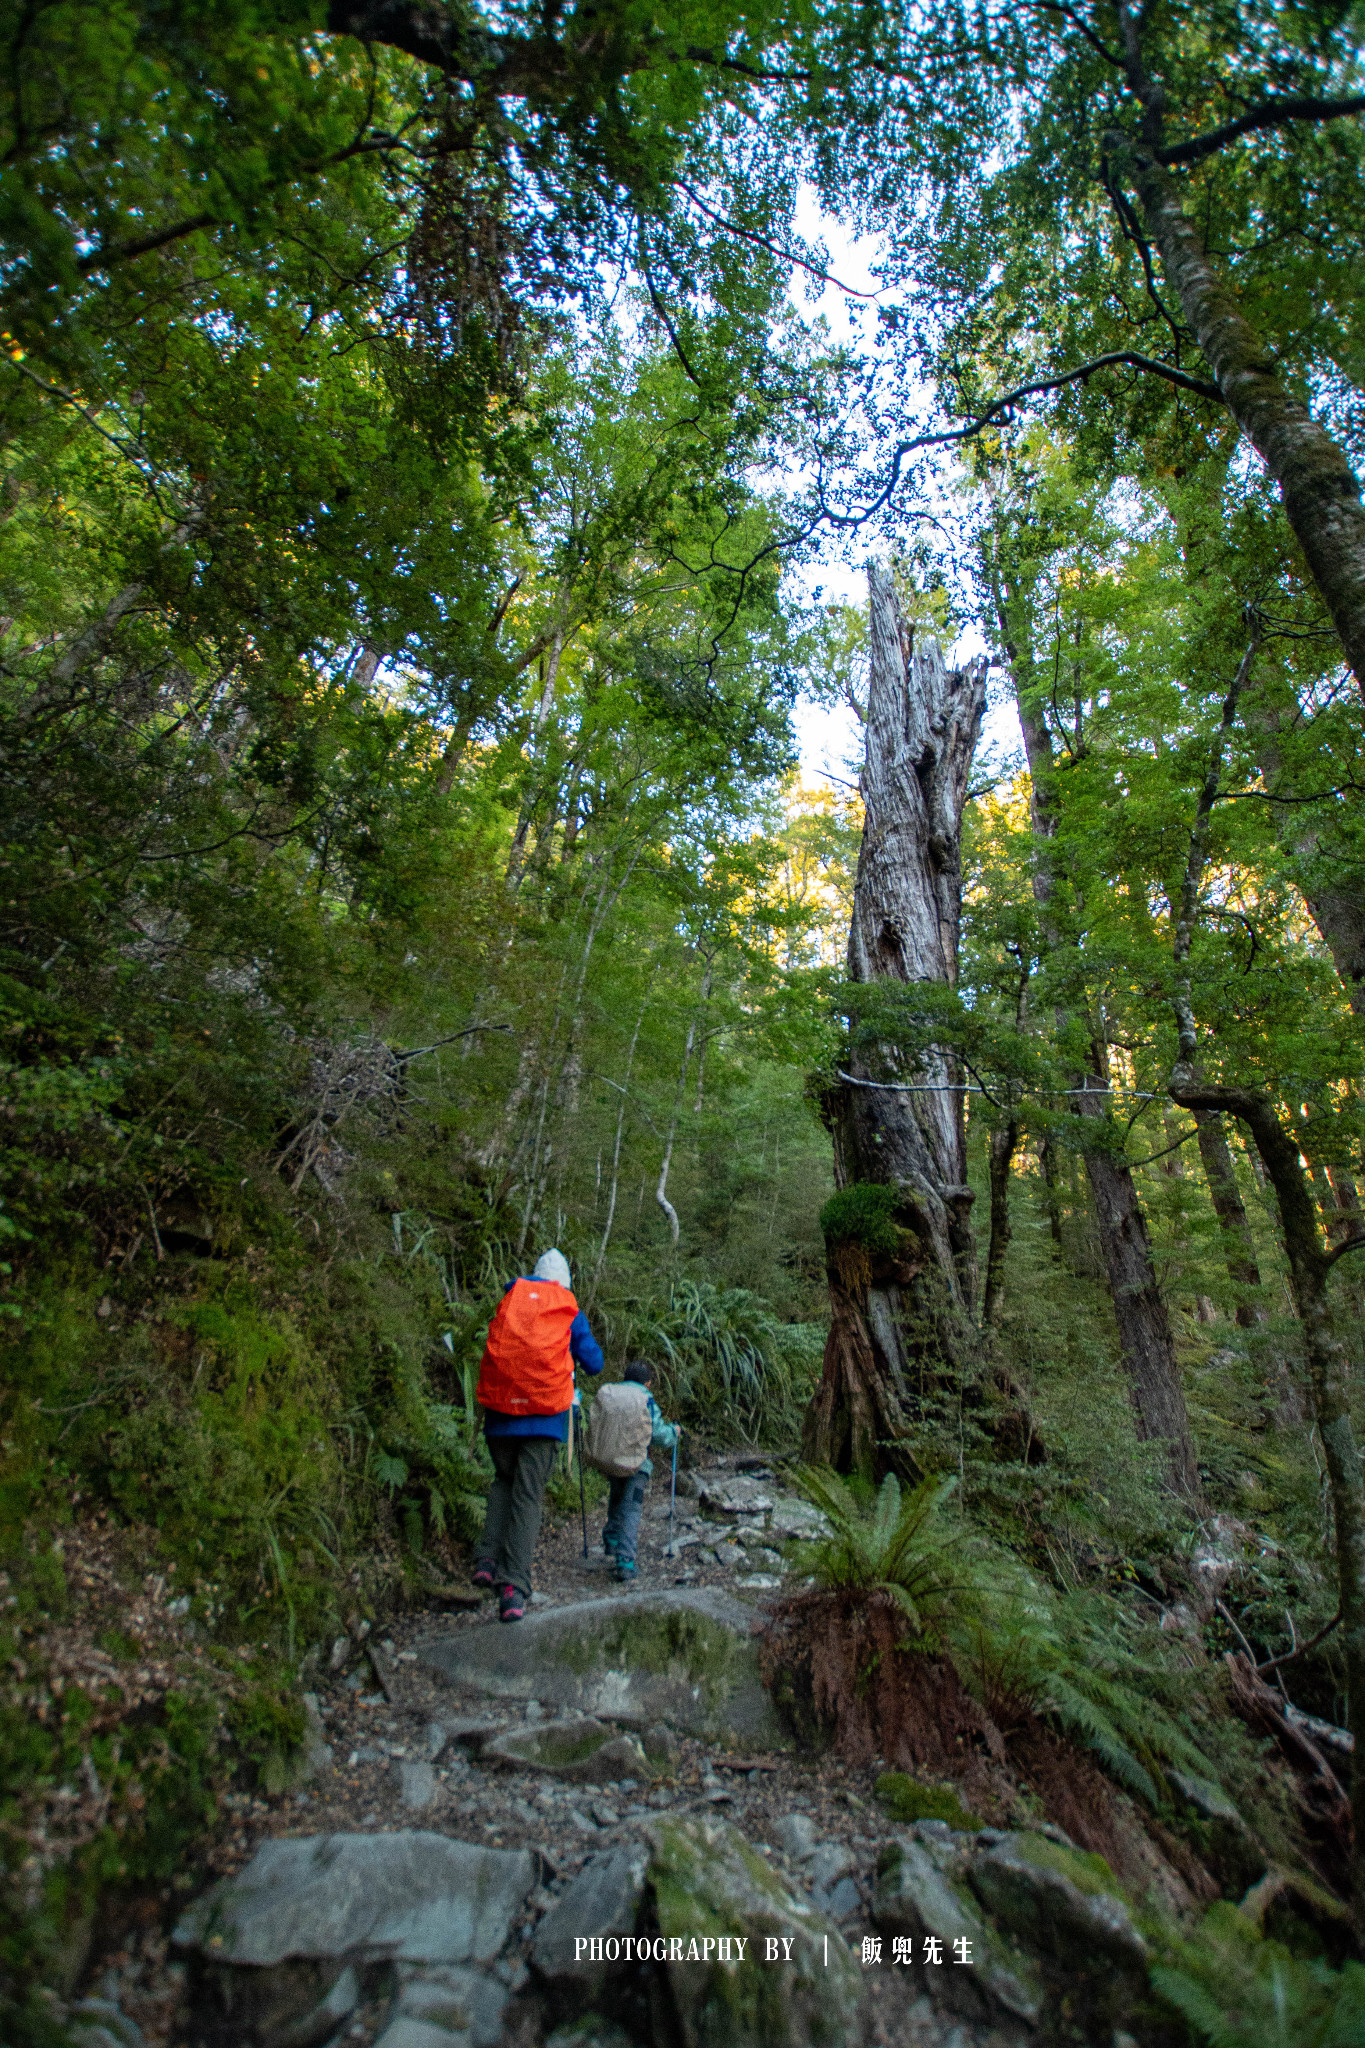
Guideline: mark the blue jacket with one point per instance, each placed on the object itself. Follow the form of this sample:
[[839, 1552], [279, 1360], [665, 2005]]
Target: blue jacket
[[585, 1351]]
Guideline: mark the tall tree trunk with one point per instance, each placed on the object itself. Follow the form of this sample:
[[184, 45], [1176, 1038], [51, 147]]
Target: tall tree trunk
[[1324, 870], [516, 858], [1320, 490], [1310, 1266], [661, 1191], [454, 750], [1140, 1311], [1052, 1196], [1144, 1326], [1004, 1143], [1238, 1250], [620, 1131], [902, 1321]]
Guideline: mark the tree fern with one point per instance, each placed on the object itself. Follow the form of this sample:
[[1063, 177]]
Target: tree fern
[[1022, 1649], [898, 1548]]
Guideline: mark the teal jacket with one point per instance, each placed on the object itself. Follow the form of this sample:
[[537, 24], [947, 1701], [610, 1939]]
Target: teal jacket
[[664, 1434]]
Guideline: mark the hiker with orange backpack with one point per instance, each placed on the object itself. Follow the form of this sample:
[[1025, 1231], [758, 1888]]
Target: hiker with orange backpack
[[625, 1425], [526, 1390]]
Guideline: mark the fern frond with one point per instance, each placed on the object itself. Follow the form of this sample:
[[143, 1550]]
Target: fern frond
[[1081, 1716]]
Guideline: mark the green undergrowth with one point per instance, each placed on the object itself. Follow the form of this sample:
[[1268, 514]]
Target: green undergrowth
[[569, 1490], [112, 1785], [266, 1436], [1236, 1989]]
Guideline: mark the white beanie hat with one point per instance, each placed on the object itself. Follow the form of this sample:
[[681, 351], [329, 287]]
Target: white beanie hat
[[553, 1266]]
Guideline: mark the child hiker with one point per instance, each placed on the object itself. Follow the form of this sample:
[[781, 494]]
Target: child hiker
[[624, 1428]]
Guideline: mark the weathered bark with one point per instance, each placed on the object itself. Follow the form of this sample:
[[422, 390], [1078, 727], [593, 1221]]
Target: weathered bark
[[1144, 1327], [1320, 490], [903, 1323], [1239, 1253]]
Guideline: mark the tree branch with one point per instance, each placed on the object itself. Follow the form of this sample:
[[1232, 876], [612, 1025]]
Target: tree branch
[[1270, 114], [662, 312], [762, 242], [1003, 405], [176, 231]]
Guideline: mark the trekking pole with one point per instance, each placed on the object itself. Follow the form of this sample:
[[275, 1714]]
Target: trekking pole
[[582, 1489], [672, 1499]]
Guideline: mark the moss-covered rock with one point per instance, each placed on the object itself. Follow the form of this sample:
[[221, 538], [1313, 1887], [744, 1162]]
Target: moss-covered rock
[[919, 1895], [1064, 1908], [1219, 1834], [906, 1799], [754, 1966]]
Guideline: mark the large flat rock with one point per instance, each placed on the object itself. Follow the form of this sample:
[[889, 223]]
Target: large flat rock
[[685, 1656], [410, 1897]]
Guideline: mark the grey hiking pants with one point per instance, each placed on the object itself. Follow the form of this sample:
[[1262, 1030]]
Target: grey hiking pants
[[522, 1465]]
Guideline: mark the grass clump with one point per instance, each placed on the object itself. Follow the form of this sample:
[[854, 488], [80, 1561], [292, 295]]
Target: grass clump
[[905, 1799], [269, 1725], [729, 1366]]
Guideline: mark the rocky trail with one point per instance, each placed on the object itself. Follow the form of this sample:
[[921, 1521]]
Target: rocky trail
[[481, 1803]]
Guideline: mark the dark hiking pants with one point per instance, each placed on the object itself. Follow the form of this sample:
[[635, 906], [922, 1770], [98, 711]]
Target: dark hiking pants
[[622, 1532], [523, 1465]]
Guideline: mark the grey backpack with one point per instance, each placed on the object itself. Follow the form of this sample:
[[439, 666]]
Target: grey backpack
[[619, 1429]]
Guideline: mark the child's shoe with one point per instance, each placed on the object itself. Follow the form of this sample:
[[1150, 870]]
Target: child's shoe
[[482, 1575], [512, 1606]]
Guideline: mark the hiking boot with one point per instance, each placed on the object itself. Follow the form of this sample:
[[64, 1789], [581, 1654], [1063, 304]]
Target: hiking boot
[[609, 1544], [512, 1605], [482, 1575], [625, 1570]]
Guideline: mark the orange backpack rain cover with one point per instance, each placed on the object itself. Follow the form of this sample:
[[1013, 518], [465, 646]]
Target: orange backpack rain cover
[[527, 1369]]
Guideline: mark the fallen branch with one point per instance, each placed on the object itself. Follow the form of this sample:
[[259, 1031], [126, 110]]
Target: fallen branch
[[1258, 1703], [1321, 1731], [1299, 1649]]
